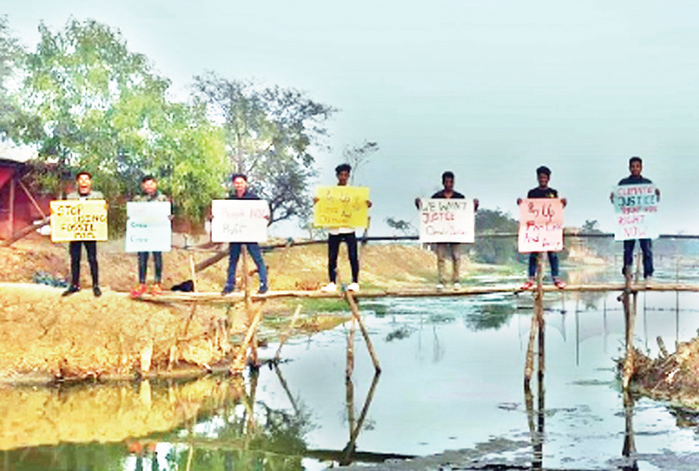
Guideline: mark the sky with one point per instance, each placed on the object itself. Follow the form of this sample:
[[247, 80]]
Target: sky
[[489, 89]]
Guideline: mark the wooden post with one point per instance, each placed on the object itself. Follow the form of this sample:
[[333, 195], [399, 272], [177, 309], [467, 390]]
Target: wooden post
[[536, 325], [238, 363], [355, 315], [287, 333], [251, 315], [12, 206], [193, 272], [630, 321], [350, 348]]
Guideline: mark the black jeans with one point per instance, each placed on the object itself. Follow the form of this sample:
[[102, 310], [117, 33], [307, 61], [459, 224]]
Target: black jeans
[[143, 266], [333, 250], [75, 248]]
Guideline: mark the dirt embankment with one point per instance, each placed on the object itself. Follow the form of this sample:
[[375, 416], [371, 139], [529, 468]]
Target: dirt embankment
[[46, 336]]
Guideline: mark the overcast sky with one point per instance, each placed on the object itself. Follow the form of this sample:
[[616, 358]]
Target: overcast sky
[[489, 89]]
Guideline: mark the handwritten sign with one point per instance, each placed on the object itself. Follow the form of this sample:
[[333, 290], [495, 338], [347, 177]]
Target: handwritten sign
[[239, 220], [73, 220], [541, 225], [636, 209], [447, 220], [341, 206], [148, 227]]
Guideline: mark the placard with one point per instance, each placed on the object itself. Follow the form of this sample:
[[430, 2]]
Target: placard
[[148, 227], [76, 220], [540, 225], [636, 208], [341, 206], [239, 220], [447, 220]]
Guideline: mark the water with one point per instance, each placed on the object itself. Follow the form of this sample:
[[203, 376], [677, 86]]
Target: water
[[452, 379]]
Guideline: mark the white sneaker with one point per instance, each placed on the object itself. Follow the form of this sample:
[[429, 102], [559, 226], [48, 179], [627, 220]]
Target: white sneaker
[[440, 287], [329, 288], [353, 287], [457, 286], [648, 282]]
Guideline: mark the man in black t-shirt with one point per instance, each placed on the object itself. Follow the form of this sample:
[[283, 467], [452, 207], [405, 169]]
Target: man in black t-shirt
[[543, 174]]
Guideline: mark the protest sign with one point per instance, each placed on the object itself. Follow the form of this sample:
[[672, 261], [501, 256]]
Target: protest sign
[[636, 208], [341, 206], [73, 220], [447, 220], [148, 227], [540, 225], [239, 220]]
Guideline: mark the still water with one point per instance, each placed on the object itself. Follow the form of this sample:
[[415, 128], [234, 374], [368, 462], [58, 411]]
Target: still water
[[452, 379]]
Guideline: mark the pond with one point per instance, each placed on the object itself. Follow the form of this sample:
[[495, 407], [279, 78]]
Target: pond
[[452, 379]]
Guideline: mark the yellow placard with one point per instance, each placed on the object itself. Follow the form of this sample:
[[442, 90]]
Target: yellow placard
[[73, 220], [341, 206]]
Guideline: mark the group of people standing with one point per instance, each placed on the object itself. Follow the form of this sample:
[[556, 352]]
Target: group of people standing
[[445, 251]]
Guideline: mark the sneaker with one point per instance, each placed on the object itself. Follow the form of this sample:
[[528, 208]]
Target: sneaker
[[440, 287], [560, 284], [96, 291], [72, 289], [228, 289], [138, 291], [353, 287], [648, 282], [457, 286], [263, 289], [329, 288], [156, 290], [528, 284]]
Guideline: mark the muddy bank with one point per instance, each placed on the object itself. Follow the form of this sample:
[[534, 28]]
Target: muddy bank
[[45, 336], [669, 377]]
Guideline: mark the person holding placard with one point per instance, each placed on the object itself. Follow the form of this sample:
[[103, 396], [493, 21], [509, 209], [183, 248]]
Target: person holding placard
[[543, 175], [150, 194], [336, 235], [635, 178], [84, 191], [448, 250], [241, 191]]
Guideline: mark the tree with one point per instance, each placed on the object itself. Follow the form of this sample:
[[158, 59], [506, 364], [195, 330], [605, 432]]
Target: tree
[[89, 103], [269, 133], [358, 155], [10, 53], [491, 249]]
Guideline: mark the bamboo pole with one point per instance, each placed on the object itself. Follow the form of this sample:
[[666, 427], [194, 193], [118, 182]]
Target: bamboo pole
[[355, 315], [350, 348], [12, 206], [238, 363], [629, 323], [247, 284], [287, 333], [23, 233], [540, 312]]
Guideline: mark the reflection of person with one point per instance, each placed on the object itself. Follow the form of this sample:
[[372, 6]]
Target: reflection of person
[[83, 192], [543, 174], [150, 194], [636, 167], [241, 192], [448, 250], [342, 234]]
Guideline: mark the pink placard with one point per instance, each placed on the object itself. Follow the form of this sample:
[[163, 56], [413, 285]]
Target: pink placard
[[541, 225]]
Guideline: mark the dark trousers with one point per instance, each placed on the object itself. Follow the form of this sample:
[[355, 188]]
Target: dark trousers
[[646, 248], [255, 253], [553, 261], [75, 248], [334, 249], [143, 266]]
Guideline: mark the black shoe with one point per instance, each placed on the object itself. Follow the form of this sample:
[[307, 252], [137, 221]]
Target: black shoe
[[227, 290], [71, 290], [96, 291], [262, 290]]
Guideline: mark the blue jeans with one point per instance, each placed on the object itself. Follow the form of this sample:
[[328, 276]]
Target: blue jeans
[[255, 253], [553, 261], [646, 248]]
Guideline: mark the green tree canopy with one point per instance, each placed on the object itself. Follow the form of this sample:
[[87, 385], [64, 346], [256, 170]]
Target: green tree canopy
[[270, 132], [90, 103]]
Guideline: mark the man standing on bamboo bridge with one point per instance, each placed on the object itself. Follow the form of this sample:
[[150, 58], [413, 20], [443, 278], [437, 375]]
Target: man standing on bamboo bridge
[[448, 250]]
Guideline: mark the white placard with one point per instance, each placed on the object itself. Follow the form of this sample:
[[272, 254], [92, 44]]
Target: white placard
[[447, 220], [636, 208], [239, 220], [148, 227], [540, 225]]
